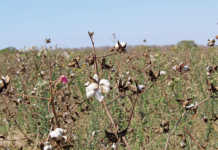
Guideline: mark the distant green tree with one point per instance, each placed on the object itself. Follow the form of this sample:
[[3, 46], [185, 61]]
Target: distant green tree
[[9, 49], [187, 44]]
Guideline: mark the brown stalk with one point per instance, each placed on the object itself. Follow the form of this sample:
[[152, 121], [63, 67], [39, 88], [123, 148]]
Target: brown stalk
[[94, 50], [51, 99], [109, 115]]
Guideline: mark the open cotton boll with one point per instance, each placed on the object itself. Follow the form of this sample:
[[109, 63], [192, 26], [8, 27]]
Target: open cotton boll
[[114, 146], [163, 72], [141, 87], [123, 44], [99, 96], [87, 83], [104, 82], [186, 68], [47, 146], [191, 105], [96, 77], [90, 93], [104, 86], [174, 67], [57, 133], [105, 89], [116, 46], [91, 89]]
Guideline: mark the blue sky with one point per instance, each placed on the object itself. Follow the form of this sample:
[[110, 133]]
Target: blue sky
[[161, 22]]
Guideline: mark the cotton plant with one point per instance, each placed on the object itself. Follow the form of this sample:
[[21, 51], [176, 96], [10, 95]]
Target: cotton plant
[[97, 88]]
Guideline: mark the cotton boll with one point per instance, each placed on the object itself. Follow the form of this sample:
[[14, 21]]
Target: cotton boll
[[105, 89], [47, 146], [57, 133], [174, 67], [90, 93], [104, 82], [163, 72], [123, 44], [87, 83], [96, 77], [19, 100], [65, 138], [99, 96], [113, 146], [186, 68], [116, 46], [141, 87], [91, 87], [104, 86]]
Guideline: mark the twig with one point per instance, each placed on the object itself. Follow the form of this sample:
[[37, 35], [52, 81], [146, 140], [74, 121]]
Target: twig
[[94, 56]]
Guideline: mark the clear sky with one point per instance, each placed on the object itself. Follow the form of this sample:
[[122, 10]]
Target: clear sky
[[161, 22]]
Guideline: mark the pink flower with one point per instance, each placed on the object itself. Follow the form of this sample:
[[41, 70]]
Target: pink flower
[[63, 79]]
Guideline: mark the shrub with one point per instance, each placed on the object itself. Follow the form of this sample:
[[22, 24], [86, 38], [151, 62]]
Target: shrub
[[187, 44]]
